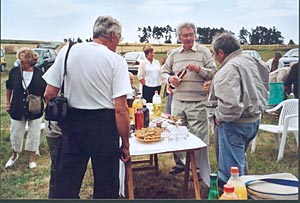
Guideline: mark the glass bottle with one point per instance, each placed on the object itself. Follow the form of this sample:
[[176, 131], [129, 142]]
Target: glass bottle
[[213, 190], [129, 103], [146, 115], [228, 193], [239, 186], [179, 76]]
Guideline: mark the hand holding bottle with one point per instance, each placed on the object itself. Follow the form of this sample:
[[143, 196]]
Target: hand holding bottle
[[176, 79]]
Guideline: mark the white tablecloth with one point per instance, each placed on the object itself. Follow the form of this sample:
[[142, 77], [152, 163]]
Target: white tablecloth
[[138, 147]]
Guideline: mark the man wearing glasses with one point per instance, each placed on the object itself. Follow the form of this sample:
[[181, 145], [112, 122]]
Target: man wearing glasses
[[189, 99]]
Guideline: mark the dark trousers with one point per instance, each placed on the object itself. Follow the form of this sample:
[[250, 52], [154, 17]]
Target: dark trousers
[[54, 145], [88, 134], [148, 92]]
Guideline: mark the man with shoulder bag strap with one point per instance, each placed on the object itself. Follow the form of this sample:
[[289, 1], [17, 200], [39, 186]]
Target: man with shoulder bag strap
[[96, 86]]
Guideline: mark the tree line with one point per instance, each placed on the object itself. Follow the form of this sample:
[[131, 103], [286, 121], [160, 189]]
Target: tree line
[[256, 36]]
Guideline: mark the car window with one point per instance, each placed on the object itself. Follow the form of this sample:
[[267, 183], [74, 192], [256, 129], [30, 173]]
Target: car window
[[47, 54], [53, 53], [39, 52]]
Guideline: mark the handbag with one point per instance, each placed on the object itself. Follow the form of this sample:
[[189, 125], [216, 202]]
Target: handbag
[[34, 102], [57, 107]]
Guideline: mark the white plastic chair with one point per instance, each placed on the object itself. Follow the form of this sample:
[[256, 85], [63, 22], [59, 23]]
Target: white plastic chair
[[287, 123]]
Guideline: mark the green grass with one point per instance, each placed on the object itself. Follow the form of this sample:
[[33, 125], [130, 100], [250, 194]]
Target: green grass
[[19, 182]]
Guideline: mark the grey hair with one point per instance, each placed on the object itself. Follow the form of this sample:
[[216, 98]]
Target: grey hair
[[227, 42], [186, 25], [104, 25]]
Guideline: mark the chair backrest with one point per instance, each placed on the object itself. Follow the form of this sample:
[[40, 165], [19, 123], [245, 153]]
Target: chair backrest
[[294, 122], [289, 107]]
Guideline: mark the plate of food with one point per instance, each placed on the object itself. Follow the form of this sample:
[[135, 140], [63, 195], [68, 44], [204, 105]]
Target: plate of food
[[148, 134]]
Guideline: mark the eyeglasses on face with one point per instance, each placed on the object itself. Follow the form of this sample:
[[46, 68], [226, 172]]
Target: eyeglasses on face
[[188, 35]]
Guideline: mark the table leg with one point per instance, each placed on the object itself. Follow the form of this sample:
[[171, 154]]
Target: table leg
[[186, 176], [156, 164], [151, 159], [191, 154], [129, 181]]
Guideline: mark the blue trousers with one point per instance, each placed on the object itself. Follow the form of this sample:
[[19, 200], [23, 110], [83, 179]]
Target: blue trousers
[[234, 139]]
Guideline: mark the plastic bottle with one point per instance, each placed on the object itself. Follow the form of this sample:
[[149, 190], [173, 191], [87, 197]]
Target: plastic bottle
[[134, 107], [156, 100], [228, 193], [291, 96], [213, 190], [139, 119], [239, 186]]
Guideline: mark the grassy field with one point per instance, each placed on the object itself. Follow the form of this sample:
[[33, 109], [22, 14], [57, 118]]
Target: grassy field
[[20, 182]]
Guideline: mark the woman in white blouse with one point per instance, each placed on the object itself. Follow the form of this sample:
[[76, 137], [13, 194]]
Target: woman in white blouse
[[149, 74]]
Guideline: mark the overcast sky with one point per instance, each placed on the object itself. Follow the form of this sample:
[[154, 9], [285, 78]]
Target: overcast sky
[[55, 20]]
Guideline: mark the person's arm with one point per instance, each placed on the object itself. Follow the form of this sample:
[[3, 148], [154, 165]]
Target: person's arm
[[229, 107], [8, 97], [123, 121], [50, 92]]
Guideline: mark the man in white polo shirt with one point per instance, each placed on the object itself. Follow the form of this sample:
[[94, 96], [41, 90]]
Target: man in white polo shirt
[[96, 85]]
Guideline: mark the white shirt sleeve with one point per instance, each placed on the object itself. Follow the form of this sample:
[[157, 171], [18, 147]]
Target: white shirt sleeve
[[54, 75], [121, 82]]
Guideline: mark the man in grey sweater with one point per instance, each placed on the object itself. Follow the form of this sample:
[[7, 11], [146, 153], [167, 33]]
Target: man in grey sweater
[[189, 98]]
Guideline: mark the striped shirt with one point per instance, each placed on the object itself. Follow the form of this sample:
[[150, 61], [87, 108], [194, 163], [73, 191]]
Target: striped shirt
[[191, 86]]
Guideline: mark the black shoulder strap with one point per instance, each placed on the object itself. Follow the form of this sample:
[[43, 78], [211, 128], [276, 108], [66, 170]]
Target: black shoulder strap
[[65, 67]]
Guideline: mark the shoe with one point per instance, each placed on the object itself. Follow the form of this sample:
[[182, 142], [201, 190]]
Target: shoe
[[32, 165], [175, 170], [11, 162]]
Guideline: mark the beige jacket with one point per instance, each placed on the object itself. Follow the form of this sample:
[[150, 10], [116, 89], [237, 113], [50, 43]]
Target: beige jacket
[[240, 89]]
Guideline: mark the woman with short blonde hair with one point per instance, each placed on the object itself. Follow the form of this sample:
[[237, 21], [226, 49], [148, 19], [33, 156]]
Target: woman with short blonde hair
[[24, 79]]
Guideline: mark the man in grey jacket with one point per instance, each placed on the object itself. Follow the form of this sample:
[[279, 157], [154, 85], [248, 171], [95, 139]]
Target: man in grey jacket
[[238, 95]]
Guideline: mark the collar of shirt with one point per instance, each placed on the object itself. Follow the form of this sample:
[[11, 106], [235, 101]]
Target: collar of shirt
[[193, 48]]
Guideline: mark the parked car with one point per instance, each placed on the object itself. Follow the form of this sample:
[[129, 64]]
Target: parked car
[[252, 53], [291, 56], [3, 61], [47, 57], [133, 60]]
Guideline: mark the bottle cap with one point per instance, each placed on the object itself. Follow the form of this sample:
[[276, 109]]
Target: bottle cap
[[228, 188], [213, 176], [234, 170]]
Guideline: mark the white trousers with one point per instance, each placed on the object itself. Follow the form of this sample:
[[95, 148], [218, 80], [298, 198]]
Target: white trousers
[[17, 132]]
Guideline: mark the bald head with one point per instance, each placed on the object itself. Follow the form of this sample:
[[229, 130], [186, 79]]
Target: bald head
[[131, 77]]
